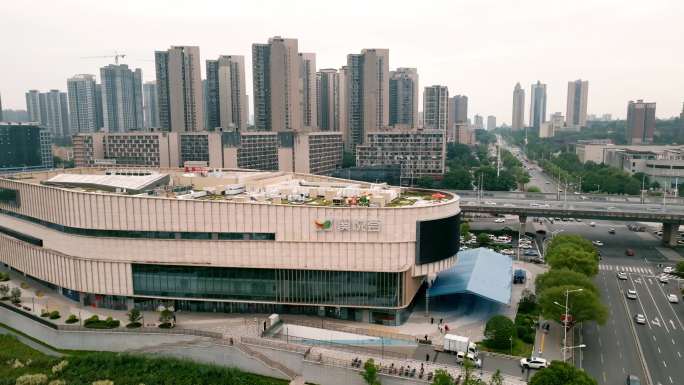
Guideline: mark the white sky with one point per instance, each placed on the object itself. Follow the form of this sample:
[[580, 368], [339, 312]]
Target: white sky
[[626, 49]]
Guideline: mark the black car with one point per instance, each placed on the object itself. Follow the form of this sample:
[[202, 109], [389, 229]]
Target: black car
[[633, 380]]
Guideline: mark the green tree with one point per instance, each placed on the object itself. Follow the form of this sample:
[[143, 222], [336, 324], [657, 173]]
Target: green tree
[[680, 269], [457, 179], [583, 306], [4, 291], [572, 240], [564, 277], [425, 182], [482, 239], [533, 189], [567, 257], [348, 159], [442, 377], [464, 229], [165, 316], [497, 378], [134, 316], [15, 295], [370, 372], [561, 373], [498, 331]]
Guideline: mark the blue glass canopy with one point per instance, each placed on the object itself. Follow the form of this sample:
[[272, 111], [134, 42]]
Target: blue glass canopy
[[482, 272]]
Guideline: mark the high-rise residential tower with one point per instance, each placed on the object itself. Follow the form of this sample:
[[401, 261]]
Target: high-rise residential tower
[[122, 98], [226, 101], [576, 112], [150, 105], [179, 89], [57, 113], [458, 110], [307, 90], [403, 98], [537, 105], [1, 116], [518, 118], [35, 109], [491, 122], [367, 93], [435, 107], [640, 122], [82, 103], [327, 94], [479, 122], [276, 77]]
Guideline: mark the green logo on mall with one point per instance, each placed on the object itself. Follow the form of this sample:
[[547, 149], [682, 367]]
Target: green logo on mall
[[323, 225]]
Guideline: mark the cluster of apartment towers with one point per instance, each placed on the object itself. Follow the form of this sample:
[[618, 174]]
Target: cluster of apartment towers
[[289, 94]]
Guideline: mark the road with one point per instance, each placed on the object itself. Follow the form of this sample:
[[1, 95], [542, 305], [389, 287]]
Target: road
[[612, 351]]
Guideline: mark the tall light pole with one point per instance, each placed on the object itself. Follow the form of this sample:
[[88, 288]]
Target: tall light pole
[[565, 321]]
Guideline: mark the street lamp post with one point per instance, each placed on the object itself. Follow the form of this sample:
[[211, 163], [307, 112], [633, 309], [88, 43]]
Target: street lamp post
[[565, 321]]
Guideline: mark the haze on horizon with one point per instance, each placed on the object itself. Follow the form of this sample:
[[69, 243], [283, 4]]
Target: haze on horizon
[[626, 49]]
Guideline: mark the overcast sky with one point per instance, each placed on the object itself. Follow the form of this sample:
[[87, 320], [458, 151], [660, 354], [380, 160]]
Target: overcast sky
[[626, 49]]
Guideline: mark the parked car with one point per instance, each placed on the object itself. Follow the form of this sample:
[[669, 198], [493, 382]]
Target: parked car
[[640, 319], [611, 231], [629, 252], [519, 276], [663, 278], [668, 270], [622, 275], [631, 294], [534, 363], [538, 260], [592, 224], [673, 298]]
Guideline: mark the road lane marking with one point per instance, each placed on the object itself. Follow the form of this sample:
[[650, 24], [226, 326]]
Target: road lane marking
[[618, 344], [659, 350], [681, 326], [623, 371], [604, 377], [658, 309], [678, 353], [665, 364], [641, 305], [670, 378], [599, 341], [654, 338], [673, 343], [673, 325], [601, 358]]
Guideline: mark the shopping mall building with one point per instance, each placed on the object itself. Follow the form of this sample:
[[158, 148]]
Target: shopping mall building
[[227, 240]]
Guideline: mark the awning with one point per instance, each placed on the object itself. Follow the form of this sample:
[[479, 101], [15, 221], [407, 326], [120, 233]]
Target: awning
[[482, 272]]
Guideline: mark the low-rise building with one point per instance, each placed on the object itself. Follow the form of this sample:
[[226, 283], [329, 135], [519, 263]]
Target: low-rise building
[[24, 146]]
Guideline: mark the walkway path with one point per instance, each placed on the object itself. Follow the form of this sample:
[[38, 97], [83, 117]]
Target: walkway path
[[548, 345], [31, 343]]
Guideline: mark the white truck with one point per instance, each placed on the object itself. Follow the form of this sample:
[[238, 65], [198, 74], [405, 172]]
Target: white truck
[[460, 344]]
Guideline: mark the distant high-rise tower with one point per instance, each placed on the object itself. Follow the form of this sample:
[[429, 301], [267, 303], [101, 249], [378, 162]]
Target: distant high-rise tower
[[435, 107], [491, 122], [403, 97], [179, 89], [82, 103], [640, 122], [458, 110], [36, 107], [576, 112], [226, 100], [150, 105], [367, 93], [518, 120], [57, 113], [276, 77], [99, 107], [479, 122], [1, 116], [307, 90], [327, 94], [122, 98], [537, 105], [680, 138]]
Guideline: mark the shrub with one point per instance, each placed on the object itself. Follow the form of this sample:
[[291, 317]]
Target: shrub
[[59, 367], [15, 295], [4, 276], [72, 319], [44, 313], [134, 316], [166, 325], [54, 314], [95, 322], [4, 292], [32, 379], [56, 382], [498, 331], [134, 325], [24, 285], [103, 382]]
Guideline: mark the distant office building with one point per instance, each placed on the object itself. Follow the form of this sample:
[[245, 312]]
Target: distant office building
[[367, 93], [403, 98], [276, 77], [491, 122], [479, 122], [458, 110], [418, 153], [82, 103], [57, 113], [576, 112], [36, 105], [537, 105], [15, 115], [179, 89], [150, 105], [640, 122], [24, 145], [307, 91], [606, 117], [556, 123], [518, 120], [461, 133], [226, 100], [122, 98], [435, 107]]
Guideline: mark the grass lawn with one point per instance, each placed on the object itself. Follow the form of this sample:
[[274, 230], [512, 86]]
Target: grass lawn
[[520, 348], [17, 359]]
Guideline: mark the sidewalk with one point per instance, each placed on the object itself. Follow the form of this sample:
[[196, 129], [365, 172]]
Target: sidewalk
[[548, 345]]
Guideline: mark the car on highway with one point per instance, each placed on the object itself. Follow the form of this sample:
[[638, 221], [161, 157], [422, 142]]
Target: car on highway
[[509, 205], [597, 243], [471, 203], [534, 363], [537, 260], [633, 380], [547, 182], [663, 278], [534, 204], [629, 252], [673, 298], [545, 205], [499, 220], [490, 203], [631, 294], [622, 275], [592, 224], [611, 231], [578, 219], [640, 319], [668, 270]]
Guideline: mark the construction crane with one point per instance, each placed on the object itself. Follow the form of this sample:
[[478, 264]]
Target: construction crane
[[116, 57]]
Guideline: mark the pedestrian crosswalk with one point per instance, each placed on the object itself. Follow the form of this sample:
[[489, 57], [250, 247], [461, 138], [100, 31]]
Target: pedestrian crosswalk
[[626, 269]]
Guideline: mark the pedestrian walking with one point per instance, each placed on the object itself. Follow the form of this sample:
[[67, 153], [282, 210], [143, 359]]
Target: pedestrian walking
[[440, 321], [427, 358], [432, 320]]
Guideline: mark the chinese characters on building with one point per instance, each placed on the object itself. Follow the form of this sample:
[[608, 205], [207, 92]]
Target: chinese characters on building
[[342, 225]]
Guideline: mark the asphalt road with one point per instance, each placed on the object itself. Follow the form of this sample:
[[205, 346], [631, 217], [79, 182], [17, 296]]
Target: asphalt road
[[612, 351]]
